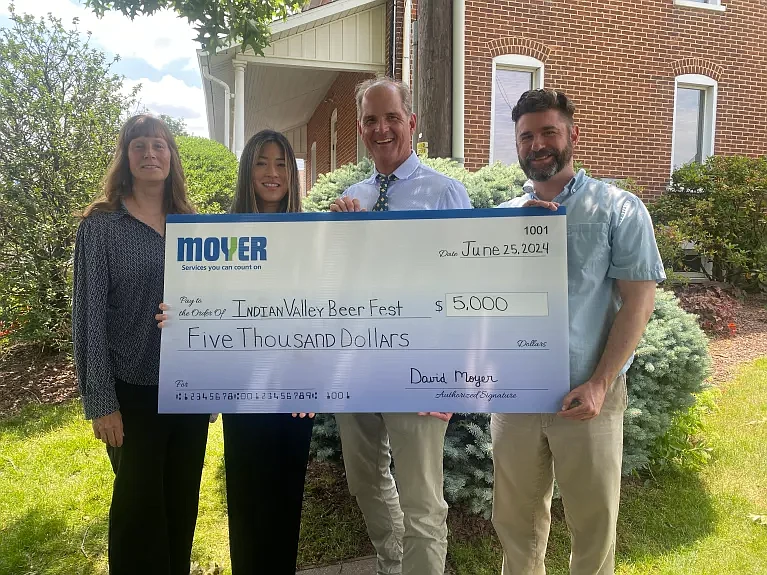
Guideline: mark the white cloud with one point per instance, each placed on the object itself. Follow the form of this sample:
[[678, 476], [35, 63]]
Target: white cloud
[[173, 97], [158, 39]]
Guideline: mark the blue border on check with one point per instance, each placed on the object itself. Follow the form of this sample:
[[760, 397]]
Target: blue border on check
[[356, 216]]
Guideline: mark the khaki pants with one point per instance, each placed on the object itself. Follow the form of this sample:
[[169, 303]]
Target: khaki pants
[[585, 456], [409, 530]]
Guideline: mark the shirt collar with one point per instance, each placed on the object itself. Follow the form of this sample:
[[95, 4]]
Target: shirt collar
[[405, 169], [120, 212], [570, 188]]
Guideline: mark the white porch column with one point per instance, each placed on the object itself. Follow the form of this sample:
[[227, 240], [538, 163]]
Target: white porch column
[[239, 106]]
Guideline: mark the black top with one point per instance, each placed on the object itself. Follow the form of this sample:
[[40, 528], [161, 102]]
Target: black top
[[119, 266]]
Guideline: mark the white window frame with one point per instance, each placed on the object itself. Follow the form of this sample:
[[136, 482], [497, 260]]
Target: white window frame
[[715, 5], [313, 157], [515, 62], [333, 139], [710, 87]]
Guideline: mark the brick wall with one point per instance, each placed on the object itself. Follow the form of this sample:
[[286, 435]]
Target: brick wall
[[340, 96], [617, 59]]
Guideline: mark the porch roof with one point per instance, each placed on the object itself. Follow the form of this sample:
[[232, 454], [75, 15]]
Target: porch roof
[[284, 86]]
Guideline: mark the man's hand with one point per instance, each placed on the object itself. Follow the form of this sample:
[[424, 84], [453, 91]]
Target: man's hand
[[109, 429], [584, 402], [541, 204], [437, 414], [346, 204]]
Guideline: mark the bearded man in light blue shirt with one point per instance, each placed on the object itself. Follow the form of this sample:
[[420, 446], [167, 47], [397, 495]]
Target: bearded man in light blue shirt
[[613, 266], [408, 529]]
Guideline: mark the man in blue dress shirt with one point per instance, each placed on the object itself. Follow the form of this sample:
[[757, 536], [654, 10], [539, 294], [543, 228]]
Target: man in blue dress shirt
[[613, 266], [408, 529]]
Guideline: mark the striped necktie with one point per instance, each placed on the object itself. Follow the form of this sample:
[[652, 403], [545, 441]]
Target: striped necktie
[[382, 205]]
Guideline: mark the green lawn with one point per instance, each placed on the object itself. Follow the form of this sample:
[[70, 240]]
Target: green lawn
[[55, 484], [682, 524]]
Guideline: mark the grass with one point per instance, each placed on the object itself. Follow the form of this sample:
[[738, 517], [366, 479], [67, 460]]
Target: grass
[[680, 523], [55, 487], [55, 484]]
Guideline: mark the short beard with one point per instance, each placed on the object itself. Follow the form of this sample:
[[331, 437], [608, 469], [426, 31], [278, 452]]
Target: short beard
[[561, 160]]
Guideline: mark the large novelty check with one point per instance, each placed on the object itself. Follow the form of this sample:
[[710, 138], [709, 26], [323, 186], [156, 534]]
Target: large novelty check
[[453, 311]]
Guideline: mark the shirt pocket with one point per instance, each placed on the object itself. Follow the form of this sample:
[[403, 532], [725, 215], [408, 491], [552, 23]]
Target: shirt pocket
[[588, 249]]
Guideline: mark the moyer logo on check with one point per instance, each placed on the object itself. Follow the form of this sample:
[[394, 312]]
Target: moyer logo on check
[[213, 249]]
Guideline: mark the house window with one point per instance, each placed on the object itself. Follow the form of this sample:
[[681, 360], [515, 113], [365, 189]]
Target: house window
[[694, 119], [333, 139], [314, 162], [707, 4], [512, 75]]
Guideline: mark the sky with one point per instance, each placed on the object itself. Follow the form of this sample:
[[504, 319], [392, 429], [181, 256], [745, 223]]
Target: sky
[[157, 51]]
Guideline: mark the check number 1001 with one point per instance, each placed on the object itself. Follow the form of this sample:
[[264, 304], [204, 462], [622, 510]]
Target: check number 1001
[[494, 304]]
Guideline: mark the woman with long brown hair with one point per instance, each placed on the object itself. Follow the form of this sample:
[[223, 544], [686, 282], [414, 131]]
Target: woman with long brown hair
[[266, 454], [118, 280]]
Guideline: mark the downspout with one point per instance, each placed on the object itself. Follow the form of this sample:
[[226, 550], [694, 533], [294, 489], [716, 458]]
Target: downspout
[[407, 23], [227, 97], [392, 33], [459, 57]]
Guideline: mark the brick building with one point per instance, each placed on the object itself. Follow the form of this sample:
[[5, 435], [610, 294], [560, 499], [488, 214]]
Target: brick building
[[656, 83]]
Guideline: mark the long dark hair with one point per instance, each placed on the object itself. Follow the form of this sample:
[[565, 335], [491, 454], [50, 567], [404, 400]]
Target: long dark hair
[[245, 198], [118, 182]]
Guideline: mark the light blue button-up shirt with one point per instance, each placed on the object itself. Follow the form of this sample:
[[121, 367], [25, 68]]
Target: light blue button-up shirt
[[609, 237], [417, 187]]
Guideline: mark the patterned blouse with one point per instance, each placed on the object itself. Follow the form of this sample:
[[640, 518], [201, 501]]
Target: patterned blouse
[[118, 284]]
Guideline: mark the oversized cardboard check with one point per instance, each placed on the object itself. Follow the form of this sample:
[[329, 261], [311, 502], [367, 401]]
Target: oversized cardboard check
[[453, 311]]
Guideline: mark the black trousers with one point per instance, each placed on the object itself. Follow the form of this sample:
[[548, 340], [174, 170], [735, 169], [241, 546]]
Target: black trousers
[[266, 457], [157, 486]]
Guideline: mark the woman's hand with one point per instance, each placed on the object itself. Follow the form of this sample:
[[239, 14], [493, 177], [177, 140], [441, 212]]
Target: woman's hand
[[109, 429], [302, 415], [162, 317]]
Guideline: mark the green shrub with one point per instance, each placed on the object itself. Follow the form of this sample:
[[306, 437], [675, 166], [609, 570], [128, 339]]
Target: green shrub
[[487, 187], [720, 206], [684, 446], [449, 167], [670, 367], [211, 173], [330, 186], [494, 184]]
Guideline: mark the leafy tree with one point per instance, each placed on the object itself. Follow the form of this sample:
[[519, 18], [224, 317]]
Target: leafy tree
[[211, 173], [218, 23], [60, 112], [177, 126]]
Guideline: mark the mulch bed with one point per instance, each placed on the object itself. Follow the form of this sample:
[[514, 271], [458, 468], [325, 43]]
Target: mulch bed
[[28, 375], [748, 343]]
